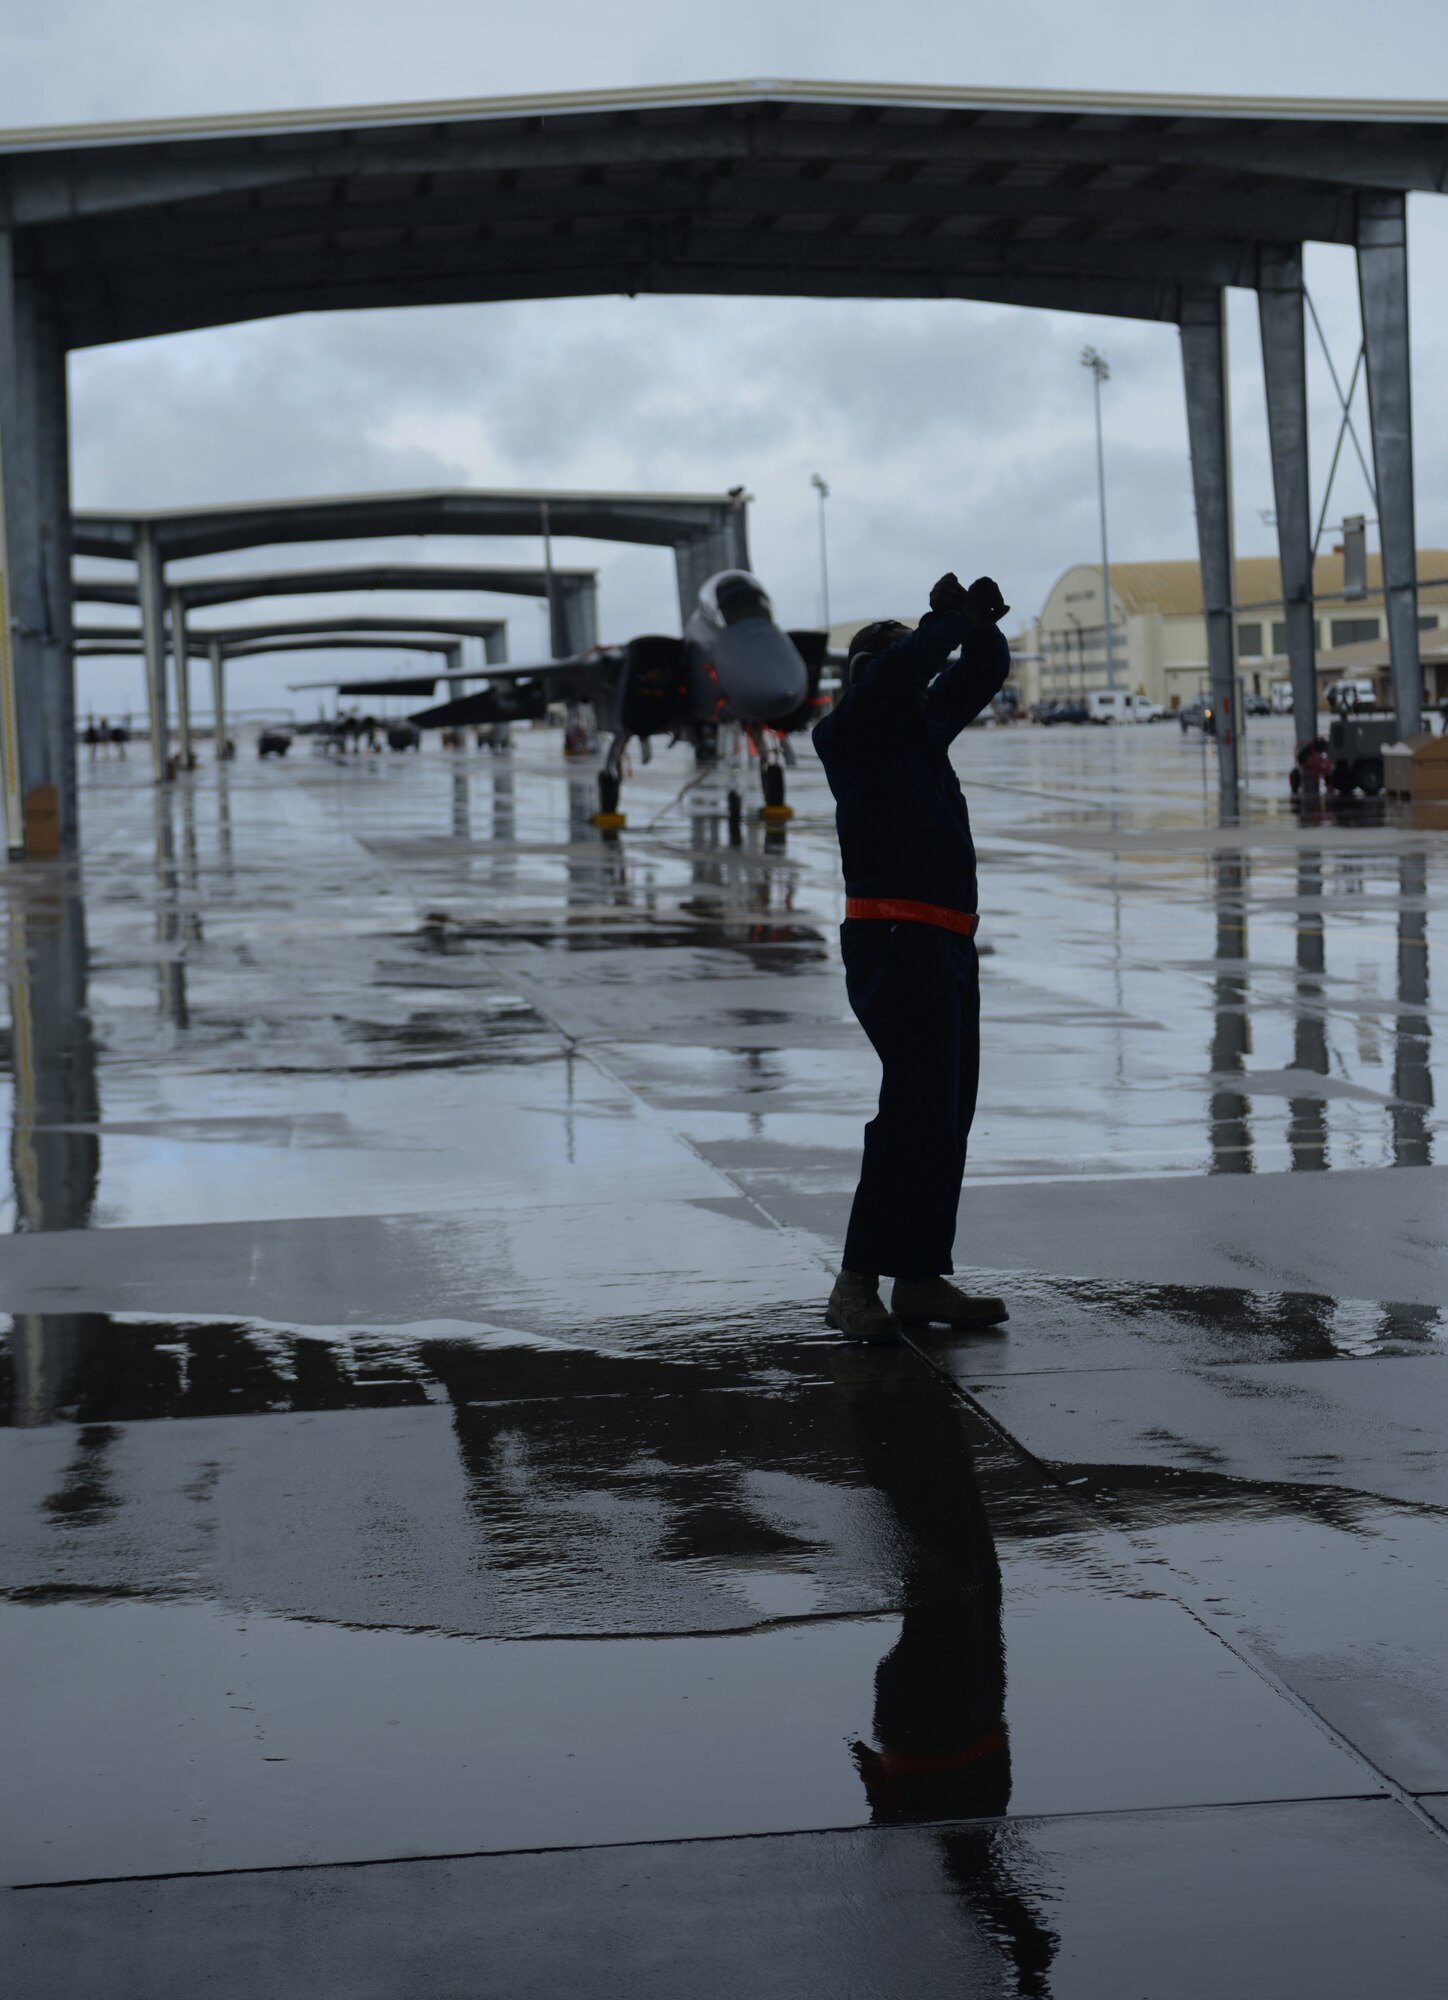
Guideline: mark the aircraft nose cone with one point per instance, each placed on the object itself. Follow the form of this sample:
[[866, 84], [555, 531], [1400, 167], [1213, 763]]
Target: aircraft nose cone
[[763, 677]]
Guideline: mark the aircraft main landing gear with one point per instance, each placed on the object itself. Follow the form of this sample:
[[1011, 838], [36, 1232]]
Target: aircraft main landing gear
[[608, 818], [771, 774]]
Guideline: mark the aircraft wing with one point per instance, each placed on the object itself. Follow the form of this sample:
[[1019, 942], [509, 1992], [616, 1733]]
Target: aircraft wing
[[522, 693]]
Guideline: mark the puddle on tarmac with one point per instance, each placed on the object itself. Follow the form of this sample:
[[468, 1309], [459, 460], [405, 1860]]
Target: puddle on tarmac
[[195, 1738]]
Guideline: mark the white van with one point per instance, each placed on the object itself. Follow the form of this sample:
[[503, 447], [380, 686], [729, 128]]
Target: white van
[[1120, 705]]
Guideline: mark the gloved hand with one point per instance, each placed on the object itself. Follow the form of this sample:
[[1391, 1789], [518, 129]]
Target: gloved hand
[[985, 602], [949, 595]]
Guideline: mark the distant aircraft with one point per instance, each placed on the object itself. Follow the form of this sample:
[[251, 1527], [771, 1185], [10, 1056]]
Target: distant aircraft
[[734, 670]]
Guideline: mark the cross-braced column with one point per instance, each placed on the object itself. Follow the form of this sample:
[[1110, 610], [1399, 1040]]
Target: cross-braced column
[[1204, 365], [1284, 360], [1382, 258], [37, 672], [151, 593]]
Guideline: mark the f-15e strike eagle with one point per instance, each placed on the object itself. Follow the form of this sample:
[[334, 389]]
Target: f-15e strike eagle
[[734, 675]]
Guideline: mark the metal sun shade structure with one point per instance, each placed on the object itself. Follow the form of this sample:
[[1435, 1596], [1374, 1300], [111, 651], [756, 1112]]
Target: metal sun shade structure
[[1135, 206], [706, 533], [255, 642], [220, 644], [573, 592]]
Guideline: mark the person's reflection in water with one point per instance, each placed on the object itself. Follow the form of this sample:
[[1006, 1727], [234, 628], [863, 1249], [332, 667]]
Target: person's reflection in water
[[940, 1725]]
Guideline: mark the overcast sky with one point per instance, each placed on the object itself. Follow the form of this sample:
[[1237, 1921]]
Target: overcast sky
[[951, 435]]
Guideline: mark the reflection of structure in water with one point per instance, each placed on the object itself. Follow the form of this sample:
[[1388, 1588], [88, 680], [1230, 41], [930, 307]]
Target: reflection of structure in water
[[1307, 1116], [1231, 1132], [55, 1151], [1412, 1076], [462, 827], [54, 1147]]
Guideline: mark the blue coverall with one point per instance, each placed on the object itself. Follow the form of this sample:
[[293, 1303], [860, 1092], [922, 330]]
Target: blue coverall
[[914, 987]]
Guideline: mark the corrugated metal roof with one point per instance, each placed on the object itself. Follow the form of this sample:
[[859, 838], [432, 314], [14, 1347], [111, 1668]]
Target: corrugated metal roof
[[1174, 589]]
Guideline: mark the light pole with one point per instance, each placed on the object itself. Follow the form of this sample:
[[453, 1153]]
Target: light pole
[[824, 492], [1100, 373]]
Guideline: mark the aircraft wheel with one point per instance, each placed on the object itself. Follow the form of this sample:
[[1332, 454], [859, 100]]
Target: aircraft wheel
[[773, 778], [608, 790], [736, 818]]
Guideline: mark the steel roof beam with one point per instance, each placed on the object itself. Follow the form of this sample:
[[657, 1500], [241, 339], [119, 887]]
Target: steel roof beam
[[1116, 298], [109, 179], [196, 592], [1276, 211], [658, 521], [740, 263]]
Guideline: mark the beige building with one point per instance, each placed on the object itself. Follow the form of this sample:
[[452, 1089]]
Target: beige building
[[1160, 638]]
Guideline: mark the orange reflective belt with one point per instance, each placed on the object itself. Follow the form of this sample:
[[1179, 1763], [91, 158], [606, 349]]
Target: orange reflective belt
[[900, 1764], [894, 910]]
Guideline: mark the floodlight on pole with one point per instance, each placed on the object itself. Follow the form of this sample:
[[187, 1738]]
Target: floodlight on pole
[[824, 492], [1101, 372]]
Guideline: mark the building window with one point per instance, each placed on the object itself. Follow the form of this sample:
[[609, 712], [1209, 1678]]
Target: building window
[[1353, 631], [1279, 637], [1428, 621], [1249, 641]]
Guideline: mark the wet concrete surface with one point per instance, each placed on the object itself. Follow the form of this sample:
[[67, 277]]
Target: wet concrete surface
[[423, 1440]]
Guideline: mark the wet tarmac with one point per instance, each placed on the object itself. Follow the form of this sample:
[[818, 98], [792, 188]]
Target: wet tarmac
[[439, 1531]]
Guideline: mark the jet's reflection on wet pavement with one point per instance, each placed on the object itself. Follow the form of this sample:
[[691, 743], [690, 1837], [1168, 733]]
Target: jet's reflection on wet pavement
[[424, 1450]]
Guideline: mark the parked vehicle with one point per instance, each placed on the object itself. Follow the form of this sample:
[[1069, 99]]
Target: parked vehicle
[[1355, 751], [1065, 711], [1256, 704], [1197, 715], [1120, 705], [273, 743]]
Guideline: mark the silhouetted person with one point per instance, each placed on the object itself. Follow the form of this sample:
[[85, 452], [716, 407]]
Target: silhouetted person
[[908, 942]]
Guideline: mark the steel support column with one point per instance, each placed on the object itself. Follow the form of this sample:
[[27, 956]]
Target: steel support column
[[37, 706], [181, 668], [1280, 298], [1382, 259], [495, 646], [579, 603], [151, 591], [723, 546], [218, 696], [1204, 366]]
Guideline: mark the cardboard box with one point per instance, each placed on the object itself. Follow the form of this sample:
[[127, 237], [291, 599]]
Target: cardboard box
[[1417, 769], [1430, 769], [42, 823]]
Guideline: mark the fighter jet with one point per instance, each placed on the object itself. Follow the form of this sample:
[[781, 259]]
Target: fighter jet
[[734, 677]]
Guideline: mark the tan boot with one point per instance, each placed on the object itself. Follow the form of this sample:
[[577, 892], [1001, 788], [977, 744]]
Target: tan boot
[[858, 1312], [919, 1300]]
